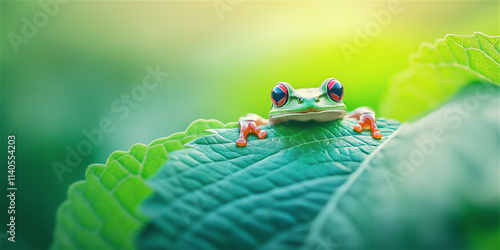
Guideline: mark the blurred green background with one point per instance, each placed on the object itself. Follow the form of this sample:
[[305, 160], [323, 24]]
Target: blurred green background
[[223, 57]]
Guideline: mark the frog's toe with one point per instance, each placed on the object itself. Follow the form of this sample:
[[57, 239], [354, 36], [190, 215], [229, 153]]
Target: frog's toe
[[358, 128], [262, 134], [376, 134], [241, 142]]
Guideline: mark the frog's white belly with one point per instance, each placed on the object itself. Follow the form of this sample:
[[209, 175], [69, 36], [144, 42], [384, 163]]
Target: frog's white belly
[[320, 116]]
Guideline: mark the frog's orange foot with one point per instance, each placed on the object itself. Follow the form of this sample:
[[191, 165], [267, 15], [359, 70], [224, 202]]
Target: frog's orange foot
[[367, 120], [246, 127]]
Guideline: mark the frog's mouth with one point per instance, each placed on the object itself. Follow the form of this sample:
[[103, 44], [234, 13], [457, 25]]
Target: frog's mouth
[[307, 115], [310, 110]]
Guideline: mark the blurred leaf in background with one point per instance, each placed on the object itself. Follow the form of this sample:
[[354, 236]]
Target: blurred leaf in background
[[87, 56], [438, 71]]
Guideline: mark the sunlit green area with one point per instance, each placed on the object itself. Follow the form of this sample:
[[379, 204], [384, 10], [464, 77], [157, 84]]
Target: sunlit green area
[[78, 73]]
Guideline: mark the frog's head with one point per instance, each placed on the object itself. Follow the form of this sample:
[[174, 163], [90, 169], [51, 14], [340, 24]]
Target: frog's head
[[320, 104]]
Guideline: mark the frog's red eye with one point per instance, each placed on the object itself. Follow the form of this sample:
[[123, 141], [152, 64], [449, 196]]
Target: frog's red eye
[[335, 90], [279, 95]]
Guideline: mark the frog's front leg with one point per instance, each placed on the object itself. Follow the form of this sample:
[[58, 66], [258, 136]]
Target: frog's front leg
[[366, 117], [249, 123]]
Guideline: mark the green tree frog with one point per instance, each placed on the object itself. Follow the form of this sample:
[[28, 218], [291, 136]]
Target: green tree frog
[[319, 104]]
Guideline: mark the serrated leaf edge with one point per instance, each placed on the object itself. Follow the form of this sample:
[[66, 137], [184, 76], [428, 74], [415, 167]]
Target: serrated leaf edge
[[115, 156], [413, 63]]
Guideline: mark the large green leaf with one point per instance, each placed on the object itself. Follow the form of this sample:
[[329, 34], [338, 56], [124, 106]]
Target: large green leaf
[[219, 196], [434, 185], [438, 71], [101, 212]]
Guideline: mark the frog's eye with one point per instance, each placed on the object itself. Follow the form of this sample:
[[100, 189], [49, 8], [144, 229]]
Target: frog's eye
[[335, 90], [279, 95]]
